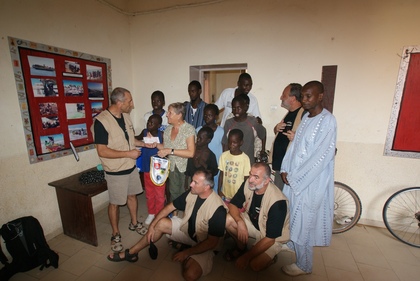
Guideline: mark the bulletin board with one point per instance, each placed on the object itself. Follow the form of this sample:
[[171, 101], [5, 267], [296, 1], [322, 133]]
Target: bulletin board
[[60, 92], [403, 138]]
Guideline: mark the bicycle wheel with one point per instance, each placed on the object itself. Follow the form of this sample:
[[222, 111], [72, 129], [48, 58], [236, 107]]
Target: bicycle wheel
[[347, 208], [401, 215]]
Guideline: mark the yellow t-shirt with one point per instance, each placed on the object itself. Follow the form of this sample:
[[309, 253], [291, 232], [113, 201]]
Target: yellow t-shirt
[[234, 168]]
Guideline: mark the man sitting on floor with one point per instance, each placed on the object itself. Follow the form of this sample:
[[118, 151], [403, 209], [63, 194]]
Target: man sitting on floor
[[265, 217], [202, 227]]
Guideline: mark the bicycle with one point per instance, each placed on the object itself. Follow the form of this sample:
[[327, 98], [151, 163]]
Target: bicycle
[[401, 215], [347, 208]]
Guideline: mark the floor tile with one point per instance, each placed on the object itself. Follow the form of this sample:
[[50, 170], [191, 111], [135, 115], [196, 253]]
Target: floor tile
[[96, 273], [80, 262], [22, 277], [363, 253], [59, 274], [132, 272], [335, 274], [339, 259], [373, 273], [369, 255], [406, 272]]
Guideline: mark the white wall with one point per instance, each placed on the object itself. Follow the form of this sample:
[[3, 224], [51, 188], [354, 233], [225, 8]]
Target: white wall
[[282, 42], [79, 25], [289, 41]]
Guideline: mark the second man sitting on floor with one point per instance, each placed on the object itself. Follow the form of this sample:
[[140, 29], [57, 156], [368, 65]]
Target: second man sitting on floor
[[258, 210]]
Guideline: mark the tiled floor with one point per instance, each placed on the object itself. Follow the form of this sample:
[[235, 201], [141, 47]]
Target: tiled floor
[[363, 253]]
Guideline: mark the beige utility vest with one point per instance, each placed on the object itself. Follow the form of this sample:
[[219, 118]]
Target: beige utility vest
[[272, 194], [117, 141], [204, 214]]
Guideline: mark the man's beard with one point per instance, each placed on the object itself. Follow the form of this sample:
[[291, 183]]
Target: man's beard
[[257, 187]]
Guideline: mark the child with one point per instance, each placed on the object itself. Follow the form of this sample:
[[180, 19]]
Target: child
[[203, 158], [194, 109], [211, 113], [247, 124], [155, 195], [158, 102], [234, 166]]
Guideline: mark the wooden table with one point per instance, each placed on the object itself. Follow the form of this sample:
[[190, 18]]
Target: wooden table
[[75, 204]]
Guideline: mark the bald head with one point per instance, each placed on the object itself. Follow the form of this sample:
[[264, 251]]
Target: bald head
[[312, 95], [316, 85]]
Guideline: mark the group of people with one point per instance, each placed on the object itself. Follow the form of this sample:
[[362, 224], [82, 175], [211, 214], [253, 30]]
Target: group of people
[[215, 180]]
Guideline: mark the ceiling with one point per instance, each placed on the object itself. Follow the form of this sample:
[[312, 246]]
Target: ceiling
[[140, 7]]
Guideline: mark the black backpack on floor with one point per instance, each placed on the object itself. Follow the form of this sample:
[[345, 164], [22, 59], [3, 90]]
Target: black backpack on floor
[[25, 241]]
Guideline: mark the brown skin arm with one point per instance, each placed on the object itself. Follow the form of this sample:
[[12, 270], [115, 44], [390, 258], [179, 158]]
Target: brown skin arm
[[208, 244], [219, 191], [241, 226], [243, 261], [106, 152], [186, 153]]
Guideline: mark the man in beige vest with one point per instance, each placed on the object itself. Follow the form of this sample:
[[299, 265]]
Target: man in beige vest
[[202, 228], [258, 210], [284, 130], [116, 146]]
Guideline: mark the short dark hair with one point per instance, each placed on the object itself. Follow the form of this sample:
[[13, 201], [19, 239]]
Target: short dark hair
[[158, 94], [213, 107], [244, 76], [295, 90], [209, 132], [315, 84], [236, 132], [157, 117], [118, 94], [196, 84], [266, 167], [241, 98], [208, 176]]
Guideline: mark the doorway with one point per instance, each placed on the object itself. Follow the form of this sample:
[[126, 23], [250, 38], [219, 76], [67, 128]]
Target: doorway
[[215, 78]]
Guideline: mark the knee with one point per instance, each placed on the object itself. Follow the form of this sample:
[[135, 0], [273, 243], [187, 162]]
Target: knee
[[164, 225], [261, 262], [189, 275], [113, 207], [190, 272], [255, 266]]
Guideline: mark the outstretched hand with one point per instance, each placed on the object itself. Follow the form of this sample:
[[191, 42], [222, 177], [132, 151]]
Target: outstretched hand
[[133, 154]]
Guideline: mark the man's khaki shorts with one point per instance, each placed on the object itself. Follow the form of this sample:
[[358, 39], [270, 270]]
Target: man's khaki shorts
[[256, 234], [120, 186], [205, 260]]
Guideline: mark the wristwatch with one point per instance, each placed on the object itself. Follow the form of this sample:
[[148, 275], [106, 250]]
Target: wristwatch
[[172, 151]]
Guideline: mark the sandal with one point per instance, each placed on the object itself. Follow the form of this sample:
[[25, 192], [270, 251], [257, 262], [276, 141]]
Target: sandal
[[142, 231], [127, 257], [136, 227], [233, 254], [116, 244]]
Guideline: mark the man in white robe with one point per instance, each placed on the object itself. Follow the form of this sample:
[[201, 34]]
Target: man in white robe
[[308, 173]]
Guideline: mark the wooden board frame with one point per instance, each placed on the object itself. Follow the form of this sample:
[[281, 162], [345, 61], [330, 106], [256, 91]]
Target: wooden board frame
[[403, 137], [60, 91]]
